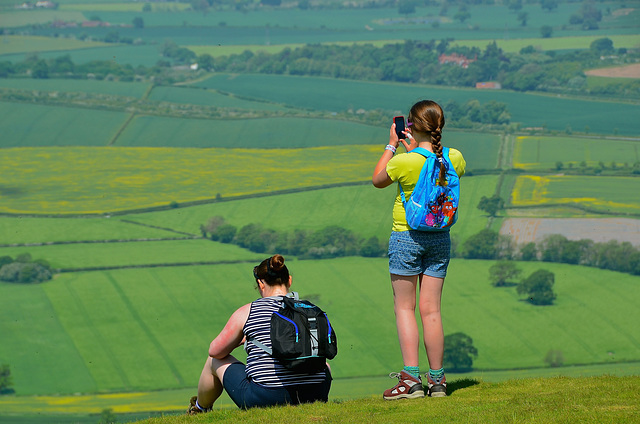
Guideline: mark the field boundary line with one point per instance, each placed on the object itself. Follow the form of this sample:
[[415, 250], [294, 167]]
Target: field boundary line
[[158, 265], [190, 235], [107, 214], [54, 243], [95, 331], [145, 329]]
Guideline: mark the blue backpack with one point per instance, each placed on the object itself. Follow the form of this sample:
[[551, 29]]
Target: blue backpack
[[432, 207]]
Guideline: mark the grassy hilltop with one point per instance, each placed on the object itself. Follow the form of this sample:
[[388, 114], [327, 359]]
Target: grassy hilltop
[[584, 400]]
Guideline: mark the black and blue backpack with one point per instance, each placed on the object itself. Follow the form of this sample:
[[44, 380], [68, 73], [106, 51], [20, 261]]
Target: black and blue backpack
[[431, 206], [302, 337]]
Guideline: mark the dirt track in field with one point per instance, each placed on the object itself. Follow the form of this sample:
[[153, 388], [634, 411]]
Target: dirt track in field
[[628, 71], [600, 230]]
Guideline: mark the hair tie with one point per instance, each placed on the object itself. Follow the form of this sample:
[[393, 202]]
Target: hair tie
[[270, 272]]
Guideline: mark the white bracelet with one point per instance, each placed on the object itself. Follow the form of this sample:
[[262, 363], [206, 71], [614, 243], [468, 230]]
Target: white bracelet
[[390, 147]]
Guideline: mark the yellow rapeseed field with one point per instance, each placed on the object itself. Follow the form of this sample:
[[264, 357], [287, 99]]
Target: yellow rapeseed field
[[85, 180], [534, 190]]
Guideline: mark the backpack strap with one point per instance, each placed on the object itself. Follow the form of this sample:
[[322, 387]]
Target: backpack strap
[[294, 296], [422, 151]]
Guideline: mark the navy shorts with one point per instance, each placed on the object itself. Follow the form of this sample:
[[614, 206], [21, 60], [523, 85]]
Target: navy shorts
[[247, 394], [419, 252]]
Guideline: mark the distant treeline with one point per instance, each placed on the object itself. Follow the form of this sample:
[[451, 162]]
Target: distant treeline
[[611, 255], [425, 62], [334, 241], [437, 62], [329, 242]]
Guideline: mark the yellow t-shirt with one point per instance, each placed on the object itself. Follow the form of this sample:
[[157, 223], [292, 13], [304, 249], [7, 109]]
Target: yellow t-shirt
[[405, 169]]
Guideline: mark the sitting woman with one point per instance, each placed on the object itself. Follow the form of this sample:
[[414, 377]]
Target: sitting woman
[[263, 381]]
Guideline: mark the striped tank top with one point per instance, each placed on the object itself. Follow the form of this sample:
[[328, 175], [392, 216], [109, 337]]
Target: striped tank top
[[261, 367]]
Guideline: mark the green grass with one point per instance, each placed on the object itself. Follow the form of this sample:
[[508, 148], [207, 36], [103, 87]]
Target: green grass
[[15, 19], [20, 230], [594, 400], [530, 110], [128, 89], [133, 329], [102, 180], [27, 125], [123, 7], [140, 405], [555, 43], [208, 98], [593, 192], [27, 43], [133, 253], [266, 133], [542, 153], [317, 209], [507, 45]]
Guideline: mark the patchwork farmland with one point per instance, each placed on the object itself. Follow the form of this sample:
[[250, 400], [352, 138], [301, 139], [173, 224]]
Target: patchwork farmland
[[111, 181]]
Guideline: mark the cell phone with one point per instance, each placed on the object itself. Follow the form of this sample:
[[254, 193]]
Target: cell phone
[[400, 126]]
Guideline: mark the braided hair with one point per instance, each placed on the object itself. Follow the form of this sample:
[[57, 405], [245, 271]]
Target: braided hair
[[427, 117]]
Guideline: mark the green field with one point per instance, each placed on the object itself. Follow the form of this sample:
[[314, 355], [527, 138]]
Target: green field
[[507, 45], [342, 206], [21, 44], [92, 255], [207, 97], [133, 337], [267, 133], [530, 110], [595, 193], [133, 329], [37, 125], [630, 41], [93, 7], [24, 229], [543, 153], [15, 19], [85, 180], [128, 89]]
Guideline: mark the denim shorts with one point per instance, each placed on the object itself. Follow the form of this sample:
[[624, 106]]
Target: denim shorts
[[247, 394], [419, 252]]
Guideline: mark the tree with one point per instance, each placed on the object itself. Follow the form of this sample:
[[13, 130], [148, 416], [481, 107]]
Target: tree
[[206, 62], [602, 46], [6, 382], [40, 70], [491, 205], [406, 7], [549, 5], [372, 248], [483, 245], [224, 233], [458, 352], [462, 14], [503, 272], [554, 358], [138, 22], [538, 287], [523, 17], [107, 416], [529, 252], [546, 31]]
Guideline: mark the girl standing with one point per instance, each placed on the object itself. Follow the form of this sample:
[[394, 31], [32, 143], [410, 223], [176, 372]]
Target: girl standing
[[418, 260]]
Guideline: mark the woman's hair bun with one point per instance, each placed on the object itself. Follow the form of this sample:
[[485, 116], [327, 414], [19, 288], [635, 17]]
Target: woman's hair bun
[[276, 263]]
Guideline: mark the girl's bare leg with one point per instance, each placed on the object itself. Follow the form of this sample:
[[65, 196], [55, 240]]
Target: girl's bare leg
[[404, 302], [433, 333]]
